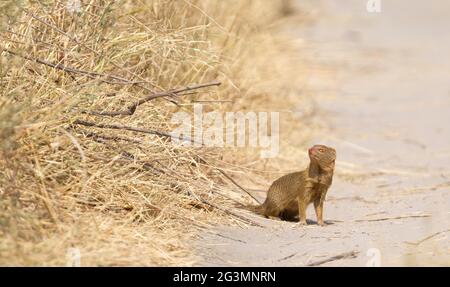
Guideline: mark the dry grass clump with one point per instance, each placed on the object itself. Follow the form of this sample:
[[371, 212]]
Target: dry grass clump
[[82, 164]]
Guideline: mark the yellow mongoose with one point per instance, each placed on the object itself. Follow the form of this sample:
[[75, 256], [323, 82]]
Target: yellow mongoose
[[290, 194]]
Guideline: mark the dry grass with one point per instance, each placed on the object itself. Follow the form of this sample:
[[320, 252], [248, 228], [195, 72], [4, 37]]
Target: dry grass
[[125, 197]]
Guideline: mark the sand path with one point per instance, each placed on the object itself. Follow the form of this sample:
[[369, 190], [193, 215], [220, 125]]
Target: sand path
[[387, 111]]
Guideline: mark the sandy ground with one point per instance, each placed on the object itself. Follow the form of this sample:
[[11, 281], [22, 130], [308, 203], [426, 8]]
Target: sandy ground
[[387, 112]]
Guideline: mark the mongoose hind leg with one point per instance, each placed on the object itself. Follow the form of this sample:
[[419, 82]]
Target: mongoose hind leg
[[301, 211]]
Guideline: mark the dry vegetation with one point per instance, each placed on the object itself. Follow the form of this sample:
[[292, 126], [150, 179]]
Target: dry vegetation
[[128, 197]]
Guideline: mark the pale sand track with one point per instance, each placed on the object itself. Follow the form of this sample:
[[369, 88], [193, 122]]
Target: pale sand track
[[387, 110]]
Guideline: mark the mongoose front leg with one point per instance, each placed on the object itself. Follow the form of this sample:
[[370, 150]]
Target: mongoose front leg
[[318, 206]]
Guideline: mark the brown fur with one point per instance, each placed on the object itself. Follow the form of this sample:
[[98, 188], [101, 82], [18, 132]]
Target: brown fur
[[290, 195]]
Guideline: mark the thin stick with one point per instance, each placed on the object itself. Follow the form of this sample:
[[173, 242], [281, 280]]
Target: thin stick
[[212, 101], [245, 219], [393, 218], [113, 138], [236, 184], [121, 127], [290, 256], [428, 237], [227, 237], [132, 108], [230, 179], [215, 190], [351, 254], [128, 128], [119, 80]]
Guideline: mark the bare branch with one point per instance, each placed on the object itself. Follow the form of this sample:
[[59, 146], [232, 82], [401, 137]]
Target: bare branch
[[393, 218], [113, 138], [351, 254], [229, 212], [128, 128], [230, 179], [132, 108], [118, 80], [428, 237], [121, 127]]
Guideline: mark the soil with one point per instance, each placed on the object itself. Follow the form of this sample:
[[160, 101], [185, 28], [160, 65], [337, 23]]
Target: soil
[[386, 106]]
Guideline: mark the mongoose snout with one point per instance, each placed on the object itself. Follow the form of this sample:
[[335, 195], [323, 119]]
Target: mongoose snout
[[290, 195]]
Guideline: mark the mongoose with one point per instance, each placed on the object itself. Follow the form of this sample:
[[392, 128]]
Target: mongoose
[[291, 194]]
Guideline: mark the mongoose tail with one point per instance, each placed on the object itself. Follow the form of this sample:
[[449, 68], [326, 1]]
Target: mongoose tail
[[258, 208]]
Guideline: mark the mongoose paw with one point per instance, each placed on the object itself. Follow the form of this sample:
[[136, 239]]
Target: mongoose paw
[[299, 224], [321, 223]]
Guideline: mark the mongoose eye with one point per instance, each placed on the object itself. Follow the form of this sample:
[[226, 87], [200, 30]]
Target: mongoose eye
[[321, 150]]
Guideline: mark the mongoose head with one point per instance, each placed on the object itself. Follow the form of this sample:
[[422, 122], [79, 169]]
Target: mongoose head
[[324, 156]]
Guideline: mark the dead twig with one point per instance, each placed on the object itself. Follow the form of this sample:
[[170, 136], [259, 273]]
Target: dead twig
[[118, 80], [215, 190], [128, 128], [345, 255], [132, 108], [230, 179], [121, 127], [236, 184], [428, 237], [242, 218], [227, 237], [113, 138], [290, 256], [393, 218]]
